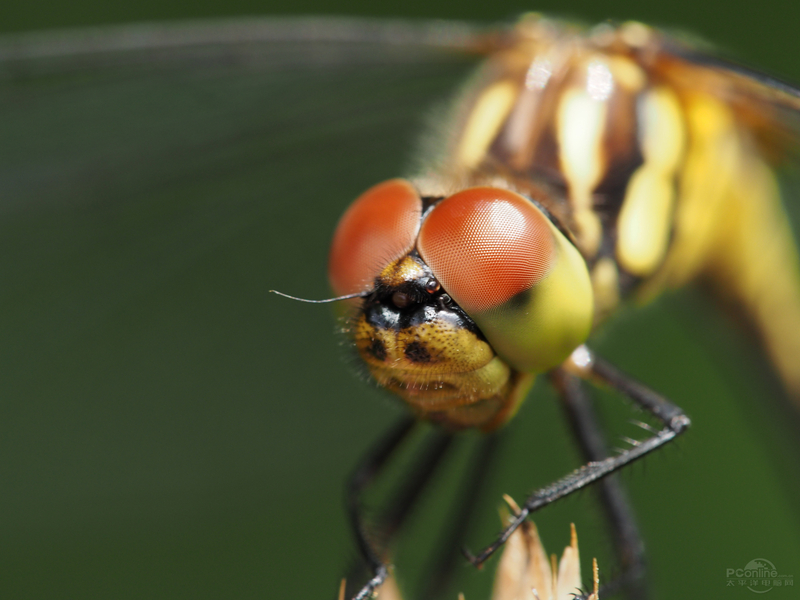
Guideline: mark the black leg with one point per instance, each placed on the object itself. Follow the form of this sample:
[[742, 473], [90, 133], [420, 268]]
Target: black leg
[[624, 530], [412, 486], [403, 500], [587, 366], [441, 574], [364, 474]]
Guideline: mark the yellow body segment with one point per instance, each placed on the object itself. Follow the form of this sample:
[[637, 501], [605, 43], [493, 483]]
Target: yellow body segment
[[580, 124], [756, 259], [489, 113], [645, 221], [713, 148]]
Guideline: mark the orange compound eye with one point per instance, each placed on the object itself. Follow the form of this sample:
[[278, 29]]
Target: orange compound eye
[[378, 228], [486, 245]]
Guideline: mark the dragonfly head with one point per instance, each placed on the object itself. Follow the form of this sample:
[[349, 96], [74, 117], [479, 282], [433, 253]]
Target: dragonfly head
[[464, 297]]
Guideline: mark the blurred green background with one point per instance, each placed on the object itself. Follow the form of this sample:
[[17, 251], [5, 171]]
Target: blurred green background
[[170, 430]]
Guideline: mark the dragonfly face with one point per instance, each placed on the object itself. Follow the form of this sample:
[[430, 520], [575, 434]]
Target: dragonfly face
[[484, 293]]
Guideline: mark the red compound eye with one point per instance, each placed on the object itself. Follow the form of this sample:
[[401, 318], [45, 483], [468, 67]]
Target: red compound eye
[[486, 245], [378, 228]]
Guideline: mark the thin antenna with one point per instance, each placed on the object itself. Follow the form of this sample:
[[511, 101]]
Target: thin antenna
[[325, 301]]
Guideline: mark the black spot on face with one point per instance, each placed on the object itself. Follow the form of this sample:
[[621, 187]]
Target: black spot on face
[[417, 352], [377, 350]]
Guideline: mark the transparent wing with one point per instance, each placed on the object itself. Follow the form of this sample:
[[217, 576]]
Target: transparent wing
[[278, 41], [125, 98]]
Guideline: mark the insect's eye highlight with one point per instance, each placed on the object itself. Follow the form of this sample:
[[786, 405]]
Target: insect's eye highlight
[[486, 245], [378, 228], [432, 286]]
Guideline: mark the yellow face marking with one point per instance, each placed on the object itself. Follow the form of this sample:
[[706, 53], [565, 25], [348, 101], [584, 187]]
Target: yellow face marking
[[485, 120], [438, 366], [441, 391], [400, 271], [489, 413], [580, 124], [645, 221], [447, 349], [433, 366]]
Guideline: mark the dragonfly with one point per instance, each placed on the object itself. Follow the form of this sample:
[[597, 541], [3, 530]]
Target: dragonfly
[[576, 174], [142, 167]]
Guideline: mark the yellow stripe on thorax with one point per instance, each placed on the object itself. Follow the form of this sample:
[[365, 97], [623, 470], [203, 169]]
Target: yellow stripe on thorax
[[580, 125], [645, 221], [487, 116]]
